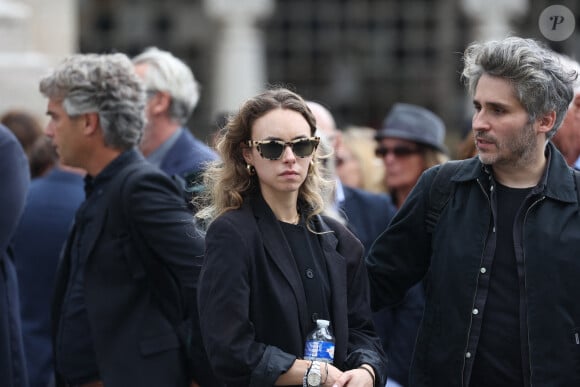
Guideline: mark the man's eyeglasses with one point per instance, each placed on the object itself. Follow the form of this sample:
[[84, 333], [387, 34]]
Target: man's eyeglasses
[[151, 92], [273, 149], [398, 151]]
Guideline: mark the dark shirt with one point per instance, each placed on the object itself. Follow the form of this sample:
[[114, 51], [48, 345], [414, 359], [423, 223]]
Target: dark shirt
[[498, 360], [313, 273], [75, 353]]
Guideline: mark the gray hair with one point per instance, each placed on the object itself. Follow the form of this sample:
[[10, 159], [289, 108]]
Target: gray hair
[[104, 84], [541, 83], [167, 73]]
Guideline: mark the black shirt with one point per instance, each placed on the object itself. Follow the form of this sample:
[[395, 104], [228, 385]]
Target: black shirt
[[310, 262], [498, 361]]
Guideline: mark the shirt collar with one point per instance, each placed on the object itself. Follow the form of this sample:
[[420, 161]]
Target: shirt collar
[[339, 192], [158, 155], [93, 183]]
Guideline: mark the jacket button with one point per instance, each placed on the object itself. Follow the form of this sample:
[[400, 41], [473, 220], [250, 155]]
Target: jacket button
[[482, 270], [309, 273], [468, 355], [475, 311]]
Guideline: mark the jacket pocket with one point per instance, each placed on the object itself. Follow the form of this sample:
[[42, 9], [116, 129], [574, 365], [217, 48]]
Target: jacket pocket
[[164, 342]]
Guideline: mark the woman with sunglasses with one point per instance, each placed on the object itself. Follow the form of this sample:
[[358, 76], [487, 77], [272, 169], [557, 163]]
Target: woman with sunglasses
[[274, 264], [410, 141]]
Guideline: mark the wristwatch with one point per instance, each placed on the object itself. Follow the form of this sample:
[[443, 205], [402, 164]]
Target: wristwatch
[[313, 377]]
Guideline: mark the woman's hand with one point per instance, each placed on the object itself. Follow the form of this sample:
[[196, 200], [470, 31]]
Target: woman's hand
[[357, 377]]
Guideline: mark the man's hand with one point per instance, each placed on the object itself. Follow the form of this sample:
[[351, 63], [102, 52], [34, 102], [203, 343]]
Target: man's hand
[[355, 378]]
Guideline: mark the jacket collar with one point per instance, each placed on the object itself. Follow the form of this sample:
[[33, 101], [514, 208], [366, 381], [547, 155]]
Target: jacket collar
[[557, 182]]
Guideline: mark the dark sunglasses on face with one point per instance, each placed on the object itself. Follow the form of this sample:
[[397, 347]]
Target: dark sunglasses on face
[[398, 151], [273, 149]]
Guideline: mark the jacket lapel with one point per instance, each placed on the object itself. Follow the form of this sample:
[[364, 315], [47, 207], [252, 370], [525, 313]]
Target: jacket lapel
[[281, 255], [336, 268], [111, 199]]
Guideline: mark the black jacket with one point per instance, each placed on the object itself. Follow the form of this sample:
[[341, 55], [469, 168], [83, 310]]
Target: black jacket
[[253, 311], [140, 279], [550, 239]]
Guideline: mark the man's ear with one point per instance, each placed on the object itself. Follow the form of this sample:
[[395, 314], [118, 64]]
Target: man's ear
[[576, 105], [546, 122], [91, 122], [160, 102]]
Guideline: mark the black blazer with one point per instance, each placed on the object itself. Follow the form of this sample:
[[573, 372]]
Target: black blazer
[[132, 311], [253, 311]]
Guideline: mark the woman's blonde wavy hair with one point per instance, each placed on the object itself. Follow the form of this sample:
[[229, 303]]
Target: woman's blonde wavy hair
[[227, 182]]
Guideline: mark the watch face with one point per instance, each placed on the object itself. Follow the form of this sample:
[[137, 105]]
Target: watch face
[[314, 378]]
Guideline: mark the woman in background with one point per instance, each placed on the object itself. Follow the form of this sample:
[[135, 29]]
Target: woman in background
[[410, 141], [358, 166]]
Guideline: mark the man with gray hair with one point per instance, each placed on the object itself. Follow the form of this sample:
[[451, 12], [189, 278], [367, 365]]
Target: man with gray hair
[[172, 95], [126, 284], [496, 237]]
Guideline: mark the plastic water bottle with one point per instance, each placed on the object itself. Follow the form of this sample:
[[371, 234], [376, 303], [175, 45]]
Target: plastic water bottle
[[320, 343]]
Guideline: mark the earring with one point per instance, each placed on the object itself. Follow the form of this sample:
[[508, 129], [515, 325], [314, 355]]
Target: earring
[[251, 169]]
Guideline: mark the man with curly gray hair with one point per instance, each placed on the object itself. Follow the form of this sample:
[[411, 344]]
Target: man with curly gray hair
[[125, 289], [498, 235]]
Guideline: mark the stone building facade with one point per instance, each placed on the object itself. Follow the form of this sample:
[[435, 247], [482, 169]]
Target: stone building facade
[[357, 57]]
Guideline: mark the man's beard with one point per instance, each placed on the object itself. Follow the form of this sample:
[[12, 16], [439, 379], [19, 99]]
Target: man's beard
[[517, 150]]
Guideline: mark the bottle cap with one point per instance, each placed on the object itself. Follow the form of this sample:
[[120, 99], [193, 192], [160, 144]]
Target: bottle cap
[[323, 323]]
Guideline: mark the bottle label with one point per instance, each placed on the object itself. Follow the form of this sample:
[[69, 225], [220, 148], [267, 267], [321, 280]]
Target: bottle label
[[319, 350]]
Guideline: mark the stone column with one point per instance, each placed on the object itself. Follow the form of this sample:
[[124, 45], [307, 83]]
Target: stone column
[[34, 34], [445, 40], [239, 69], [55, 31], [493, 17]]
